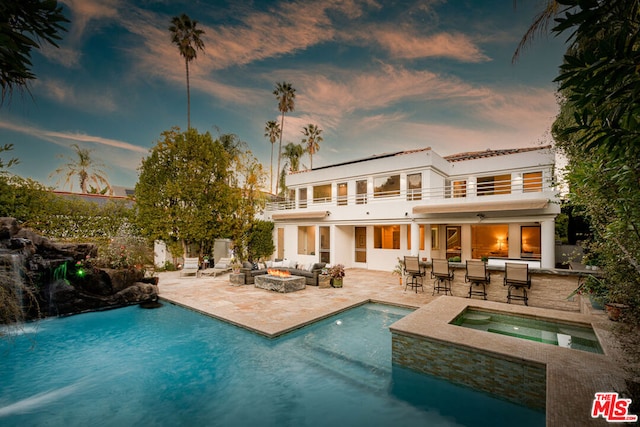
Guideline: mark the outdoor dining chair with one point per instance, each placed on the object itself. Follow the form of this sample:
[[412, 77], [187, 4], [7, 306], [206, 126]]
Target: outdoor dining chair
[[414, 272], [516, 277], [478, 275], [443, 275]]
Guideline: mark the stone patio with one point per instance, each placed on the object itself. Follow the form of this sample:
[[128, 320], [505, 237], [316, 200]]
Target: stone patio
[[571, 380]]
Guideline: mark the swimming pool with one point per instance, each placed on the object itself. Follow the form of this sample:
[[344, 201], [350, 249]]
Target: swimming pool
[[557, 333], [172, 366]]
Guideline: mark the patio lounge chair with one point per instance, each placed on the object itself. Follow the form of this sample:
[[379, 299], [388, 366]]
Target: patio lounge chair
[[414, 272], [222, 266], [443, 276], [516, 277], [477, 274], [190, 266]]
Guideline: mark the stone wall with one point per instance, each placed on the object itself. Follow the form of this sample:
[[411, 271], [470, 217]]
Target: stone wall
[[517, 381]]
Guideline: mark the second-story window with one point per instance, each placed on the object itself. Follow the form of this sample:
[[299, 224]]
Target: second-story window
[[456, 189], [414, 186], [302, 197], [386, 186], [342, 194], [532, 182], [322, 193], [491, 185], [361, 192]]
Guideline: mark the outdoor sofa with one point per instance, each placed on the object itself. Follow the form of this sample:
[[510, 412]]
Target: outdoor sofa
[[309, 271]]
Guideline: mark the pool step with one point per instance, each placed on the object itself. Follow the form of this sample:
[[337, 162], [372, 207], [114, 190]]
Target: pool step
[[477, 319], [354, 370]]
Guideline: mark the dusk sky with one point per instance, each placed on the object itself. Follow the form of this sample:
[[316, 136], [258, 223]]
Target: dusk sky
[[376, 76]]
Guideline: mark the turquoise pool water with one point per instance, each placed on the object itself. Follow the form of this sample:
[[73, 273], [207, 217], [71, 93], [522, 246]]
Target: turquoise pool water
[[548, 332], [175, 367]]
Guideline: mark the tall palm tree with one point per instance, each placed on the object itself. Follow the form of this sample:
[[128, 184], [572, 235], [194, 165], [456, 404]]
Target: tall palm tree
[[286, 95], [272, 131], [186, 36], [312, 140], [86, 169]]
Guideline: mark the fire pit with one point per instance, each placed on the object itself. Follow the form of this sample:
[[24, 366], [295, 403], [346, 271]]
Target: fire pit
[[280, 281]]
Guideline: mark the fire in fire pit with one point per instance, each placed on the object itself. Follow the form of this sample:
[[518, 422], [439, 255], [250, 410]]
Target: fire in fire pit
[[278, 273]]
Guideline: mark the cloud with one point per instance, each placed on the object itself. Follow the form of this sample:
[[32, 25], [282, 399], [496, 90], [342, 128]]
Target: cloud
[[85, 11], [410, 45], [70, 95], [59, 137]]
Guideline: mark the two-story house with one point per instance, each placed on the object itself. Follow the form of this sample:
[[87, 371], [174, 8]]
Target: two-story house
[[498, 204]]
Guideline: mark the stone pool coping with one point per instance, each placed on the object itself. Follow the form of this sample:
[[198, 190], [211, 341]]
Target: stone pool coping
[[572, 376]]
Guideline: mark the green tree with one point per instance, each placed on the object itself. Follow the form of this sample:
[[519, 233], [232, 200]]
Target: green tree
[[312, 141], [272, 131], [293, 153], [86, 169], [260, 242], [182, 195], [598, 129], [286, 94], [25, 25], [186, 35], [10, 162]]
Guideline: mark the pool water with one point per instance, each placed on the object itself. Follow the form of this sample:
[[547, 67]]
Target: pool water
[[548, 332], [173, 367]]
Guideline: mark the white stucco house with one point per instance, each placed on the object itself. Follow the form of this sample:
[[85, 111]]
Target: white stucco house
[[499, 204]]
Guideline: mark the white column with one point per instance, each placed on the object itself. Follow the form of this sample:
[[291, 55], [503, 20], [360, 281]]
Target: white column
[[548, 242], [415, 238]]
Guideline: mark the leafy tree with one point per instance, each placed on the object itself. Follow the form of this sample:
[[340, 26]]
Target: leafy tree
[[312, 140], [86, 169], [186, 35], [24, 25], [249, 179], [182, 195], [260, 241], [10, 162], [272, 131], [286, 94], [598, 130]]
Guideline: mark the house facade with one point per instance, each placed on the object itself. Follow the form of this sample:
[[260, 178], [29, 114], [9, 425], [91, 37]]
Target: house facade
[[496, 204]]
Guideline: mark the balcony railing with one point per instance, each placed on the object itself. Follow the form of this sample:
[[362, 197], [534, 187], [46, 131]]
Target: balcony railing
[[416, 196]]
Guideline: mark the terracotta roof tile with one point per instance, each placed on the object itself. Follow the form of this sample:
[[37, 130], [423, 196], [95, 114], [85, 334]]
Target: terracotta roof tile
[[470, 155]]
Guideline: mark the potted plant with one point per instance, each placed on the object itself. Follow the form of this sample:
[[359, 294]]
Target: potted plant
[[399, 270], [324, 280], [337, 274], [595, 289], [235, 265]]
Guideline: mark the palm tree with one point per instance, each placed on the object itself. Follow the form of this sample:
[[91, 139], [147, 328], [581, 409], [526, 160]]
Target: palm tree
[[186, 36], [286, 95], [312, 140], [293, 152], [86, 169], [272, 131], [540, 25]]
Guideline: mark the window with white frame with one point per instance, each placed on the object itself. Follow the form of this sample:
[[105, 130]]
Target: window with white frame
[[414, 186], [361, 192], [386, 186], [322, 193], [342, 194]]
